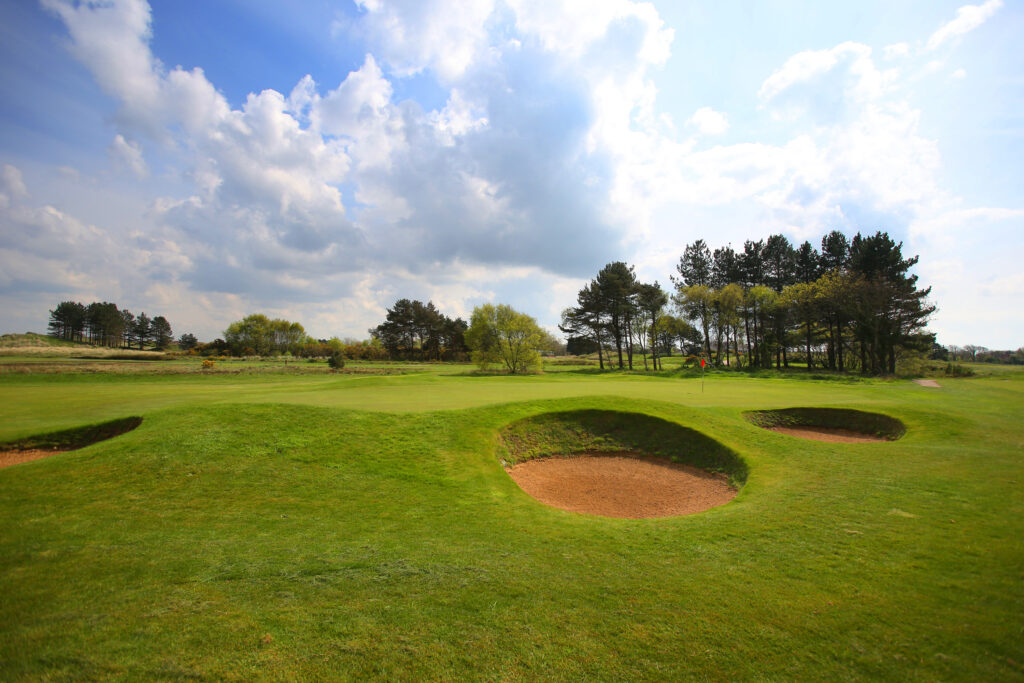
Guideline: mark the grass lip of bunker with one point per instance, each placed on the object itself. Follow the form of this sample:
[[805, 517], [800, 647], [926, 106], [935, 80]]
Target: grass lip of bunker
[[844, 425], [42, 445], [619, 464]]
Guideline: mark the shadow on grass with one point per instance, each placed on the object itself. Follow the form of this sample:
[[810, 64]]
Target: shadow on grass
[[77, 437]]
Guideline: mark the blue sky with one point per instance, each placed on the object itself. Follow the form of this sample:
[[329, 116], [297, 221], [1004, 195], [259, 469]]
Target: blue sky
[[208, 160]]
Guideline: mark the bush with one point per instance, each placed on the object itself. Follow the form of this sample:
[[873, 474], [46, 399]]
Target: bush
[[336, 361], [208, 364], [957, 370]]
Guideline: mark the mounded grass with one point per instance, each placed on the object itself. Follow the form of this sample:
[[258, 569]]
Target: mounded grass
[[312, 527]]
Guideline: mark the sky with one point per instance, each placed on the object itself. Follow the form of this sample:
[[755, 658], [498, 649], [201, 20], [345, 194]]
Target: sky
[[317, 161]]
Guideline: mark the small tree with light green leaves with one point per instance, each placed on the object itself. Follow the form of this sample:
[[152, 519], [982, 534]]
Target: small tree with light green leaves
[[502, 335]]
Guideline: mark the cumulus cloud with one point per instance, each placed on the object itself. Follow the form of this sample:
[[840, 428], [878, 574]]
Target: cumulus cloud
[[12, 187], [897, 50], [708, 121], [128, 155], [414, 35], [968, 18], [863, 80]]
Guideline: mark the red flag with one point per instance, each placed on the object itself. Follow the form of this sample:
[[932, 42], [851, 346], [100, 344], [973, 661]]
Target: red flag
[[702, 362]]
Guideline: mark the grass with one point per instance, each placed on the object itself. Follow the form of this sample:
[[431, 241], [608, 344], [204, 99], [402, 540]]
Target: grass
[[361, 526]]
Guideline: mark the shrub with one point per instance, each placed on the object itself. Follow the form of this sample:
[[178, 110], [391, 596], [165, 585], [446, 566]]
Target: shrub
[[957, 370], [208, 364], [336, 361]]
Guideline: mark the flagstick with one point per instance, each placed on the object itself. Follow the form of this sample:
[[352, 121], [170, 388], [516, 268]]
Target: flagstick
[[702, 375]]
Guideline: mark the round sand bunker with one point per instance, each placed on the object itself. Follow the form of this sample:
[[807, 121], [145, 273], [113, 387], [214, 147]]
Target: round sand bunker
[[621, 485]]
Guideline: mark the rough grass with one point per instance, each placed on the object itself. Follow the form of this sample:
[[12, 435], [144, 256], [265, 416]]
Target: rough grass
[[352, 527], [37, 346]]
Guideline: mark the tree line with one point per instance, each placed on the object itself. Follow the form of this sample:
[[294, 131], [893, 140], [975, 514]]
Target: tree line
[[977, 354], [103, 324], [853, 305]]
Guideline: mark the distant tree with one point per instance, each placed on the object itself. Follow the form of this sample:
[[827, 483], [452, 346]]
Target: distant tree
[[803, 299], [413, 329], [580, 346], [587, 320], [890, 312], [104, 323], [973, 350], [500, 334], [616, 287], [695, 303], [161, 332], [808, 263], [651, 300], [726, 267], [939, 352], [752, 264], [187, 341], [129, 327], [695, 266], [835, 251], [259, 335], [67, 321], [728, 306], [675, 331], [143, 330]]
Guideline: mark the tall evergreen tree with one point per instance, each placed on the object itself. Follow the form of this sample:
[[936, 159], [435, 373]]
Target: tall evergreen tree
[[835, 251], [891, 312], [616, 285], [143, 330], [161, 332], [695, 266]]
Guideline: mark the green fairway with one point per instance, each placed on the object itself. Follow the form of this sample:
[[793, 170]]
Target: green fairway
[[348, 526]]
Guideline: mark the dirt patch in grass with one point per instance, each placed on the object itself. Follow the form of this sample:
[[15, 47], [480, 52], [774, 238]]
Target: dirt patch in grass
[[828, 434], [928, 383], [621, 484], [16, 457]]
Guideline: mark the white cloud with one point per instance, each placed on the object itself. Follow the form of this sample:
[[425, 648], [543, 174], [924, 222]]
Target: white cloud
[[414, 35], [574, 28], [708, 121], [897, 50], [128, 154], [958, 75], [12, 187], [968, 18]]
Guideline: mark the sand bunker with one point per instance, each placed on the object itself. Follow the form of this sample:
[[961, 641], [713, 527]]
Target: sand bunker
[[828, 434], [833, 425], [621, 485], [16, 457], [36, 447]]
